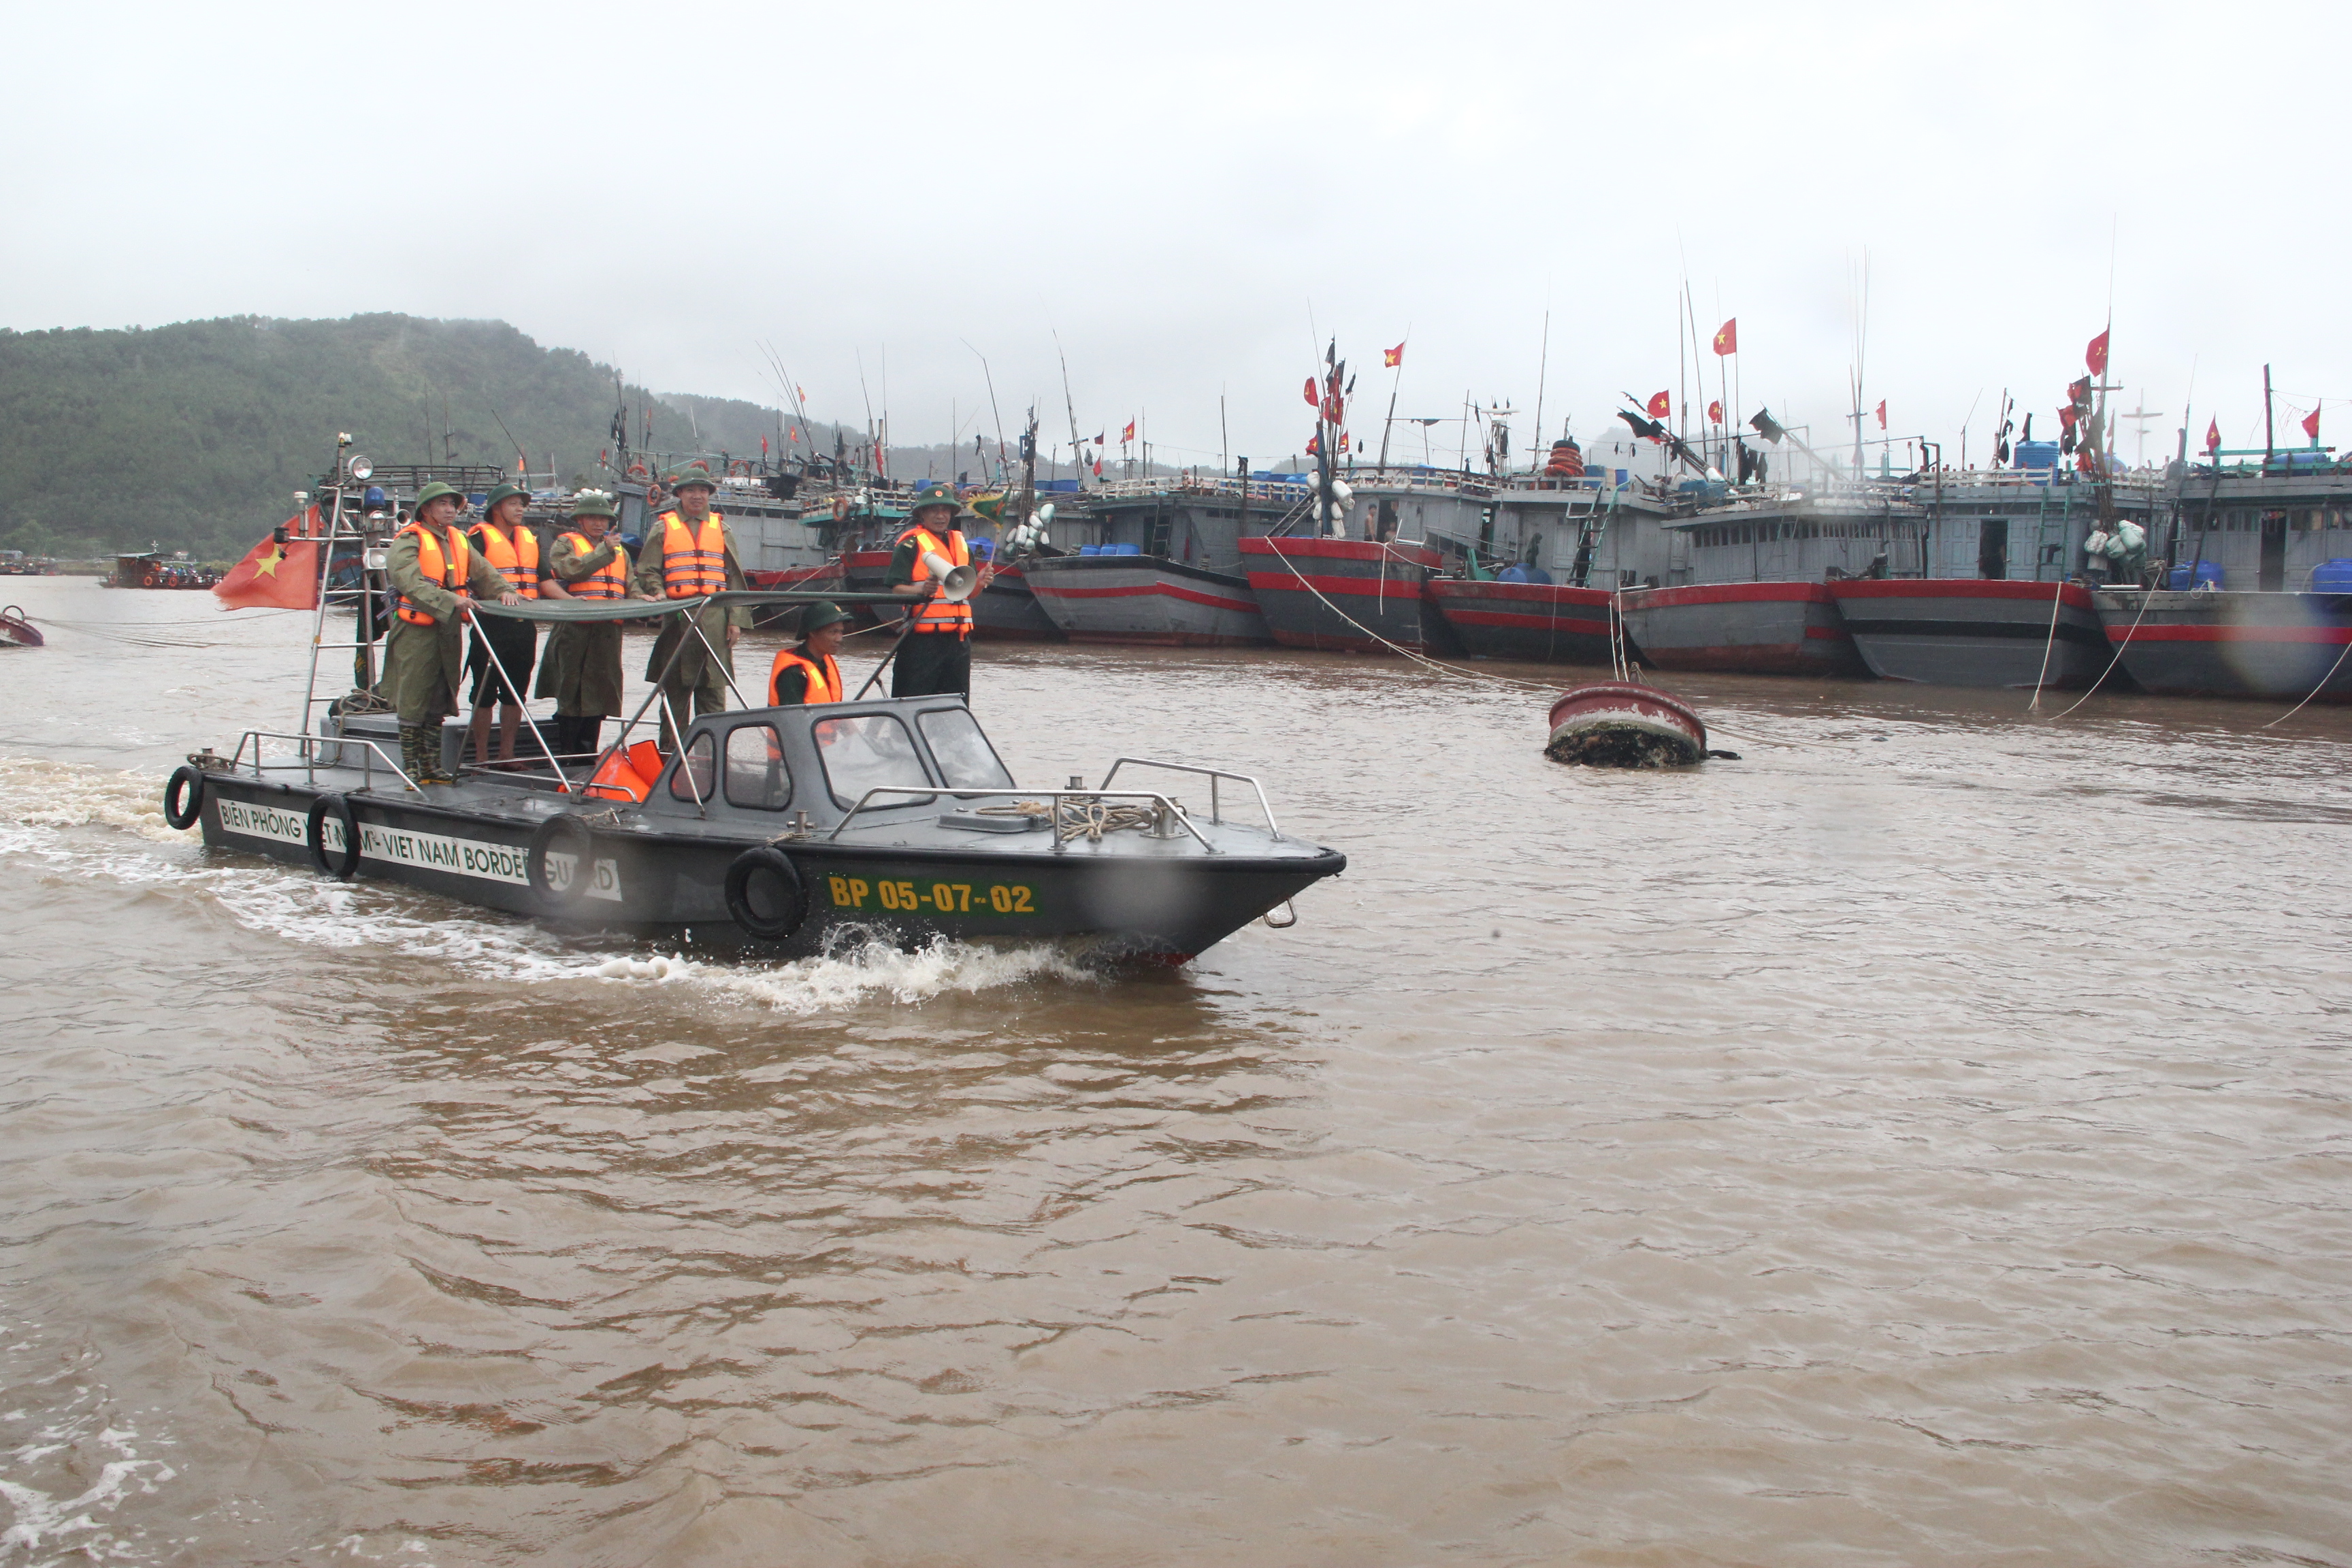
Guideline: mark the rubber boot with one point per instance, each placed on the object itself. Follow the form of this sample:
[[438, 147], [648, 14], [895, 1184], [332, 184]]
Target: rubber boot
[[412, 751]]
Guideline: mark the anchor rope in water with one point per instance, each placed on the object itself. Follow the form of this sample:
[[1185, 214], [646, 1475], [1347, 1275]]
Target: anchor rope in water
[[2314, 691], [1445, 668], [2114, 658]]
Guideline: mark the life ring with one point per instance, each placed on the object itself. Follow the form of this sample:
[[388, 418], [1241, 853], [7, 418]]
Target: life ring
[[579, 844], [181, 811], [782, 902], [637, 470], [841, 509], [740, 466], [314, 836], [149, 577]]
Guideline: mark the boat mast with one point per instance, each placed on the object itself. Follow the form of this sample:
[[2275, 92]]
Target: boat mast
[[1077, 453]]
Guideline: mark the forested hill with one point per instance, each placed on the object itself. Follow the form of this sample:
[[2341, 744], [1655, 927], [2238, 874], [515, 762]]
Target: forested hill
[[195, 437]]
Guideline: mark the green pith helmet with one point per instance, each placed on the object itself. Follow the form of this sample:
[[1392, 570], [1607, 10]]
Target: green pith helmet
[[819, 615], [936, 495], [433, 493], [594, 503], [501, 493], [693, 474]]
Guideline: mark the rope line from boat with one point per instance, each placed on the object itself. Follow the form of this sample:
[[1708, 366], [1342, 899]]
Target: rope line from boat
[[2056, 599], [2315, 690], [2117, 657], [1441, 666]]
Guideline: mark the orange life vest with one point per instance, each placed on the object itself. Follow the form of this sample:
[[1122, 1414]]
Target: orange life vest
[[693, 563], [516, 558], [627, 774], [823, 683], [937, 614], [610, 580], [451, 569]]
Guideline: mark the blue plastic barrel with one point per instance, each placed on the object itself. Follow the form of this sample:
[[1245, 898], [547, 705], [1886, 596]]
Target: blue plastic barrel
[[2332, 576], [2037, 454], [2209, 575], [1512, 574], [1090, 550]]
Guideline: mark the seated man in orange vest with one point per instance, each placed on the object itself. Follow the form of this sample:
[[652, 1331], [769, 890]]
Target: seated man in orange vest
[[936, 655], [807, 672], [509, 543], [686, 553]]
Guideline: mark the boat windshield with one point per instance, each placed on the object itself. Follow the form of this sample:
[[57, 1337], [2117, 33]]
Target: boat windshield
[[966, 759], [865, 750]]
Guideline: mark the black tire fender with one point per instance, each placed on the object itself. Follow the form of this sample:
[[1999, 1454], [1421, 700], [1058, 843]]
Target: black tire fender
[[791, 903], [563, 834], [179, 812], [314, 836]]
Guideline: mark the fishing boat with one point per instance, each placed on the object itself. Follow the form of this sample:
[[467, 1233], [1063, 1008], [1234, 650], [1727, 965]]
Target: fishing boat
[[1007, 610], [1756, 628], [1164, 564], [2280, 646], [1354, 596], [773, 828], [1950, 631], [1545, 622], [16, 629], [1620, 724]]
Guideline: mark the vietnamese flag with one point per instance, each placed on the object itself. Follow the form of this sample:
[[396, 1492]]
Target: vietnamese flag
[[1727, 338], [1881, 414], [1715, 412], [1660, 406], [1314, 392], [2095, 356], [1127, 435], [1391, 358], [274, 576], [2213, 434], [2311, 424]]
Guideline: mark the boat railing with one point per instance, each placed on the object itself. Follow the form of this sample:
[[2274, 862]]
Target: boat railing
[[1213, 774], [1169, 813], [307, 747], [1192, 484]]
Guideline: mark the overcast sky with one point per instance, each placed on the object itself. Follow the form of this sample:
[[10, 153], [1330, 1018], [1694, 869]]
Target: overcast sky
[[1188, 195]]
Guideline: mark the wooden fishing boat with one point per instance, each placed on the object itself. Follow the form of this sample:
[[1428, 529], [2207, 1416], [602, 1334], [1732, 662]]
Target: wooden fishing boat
[[1617, 724], [1760, 628], [16, 629]]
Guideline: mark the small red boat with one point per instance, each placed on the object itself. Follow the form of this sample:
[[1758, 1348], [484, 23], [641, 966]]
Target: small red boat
[[1617, 724], [16, 629]]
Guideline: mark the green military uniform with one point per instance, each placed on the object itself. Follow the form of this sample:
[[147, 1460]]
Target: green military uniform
[[423, 664], [696, 675], [581, 668]]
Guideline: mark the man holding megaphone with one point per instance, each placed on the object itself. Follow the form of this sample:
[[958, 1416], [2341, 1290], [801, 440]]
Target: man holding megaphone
[[932, 562]]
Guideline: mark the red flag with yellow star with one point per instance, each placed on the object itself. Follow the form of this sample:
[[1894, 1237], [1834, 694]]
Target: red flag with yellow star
[[275, 575]]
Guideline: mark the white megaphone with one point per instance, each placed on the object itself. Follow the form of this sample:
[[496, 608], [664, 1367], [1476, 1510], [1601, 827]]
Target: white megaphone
[[955, 582]]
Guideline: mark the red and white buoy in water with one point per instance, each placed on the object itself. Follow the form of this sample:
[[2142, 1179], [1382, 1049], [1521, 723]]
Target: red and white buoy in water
[[1619, 724]]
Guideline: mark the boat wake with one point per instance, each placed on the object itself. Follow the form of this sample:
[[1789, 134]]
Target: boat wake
[[60, 815]]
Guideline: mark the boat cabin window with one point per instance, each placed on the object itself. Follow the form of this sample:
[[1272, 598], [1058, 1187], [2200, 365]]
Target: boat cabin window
[[865, 750], [966, 759], [756, 776], [692, 778]]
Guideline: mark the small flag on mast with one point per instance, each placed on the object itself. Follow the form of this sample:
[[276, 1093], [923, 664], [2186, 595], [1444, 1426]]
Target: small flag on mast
[[2213, 434], [1727, 338], [1881, 414], [274, 576], [1391, 358], [2096, 356], [1127, 435], [1715, 412], [2311, 424], [1660, 406]]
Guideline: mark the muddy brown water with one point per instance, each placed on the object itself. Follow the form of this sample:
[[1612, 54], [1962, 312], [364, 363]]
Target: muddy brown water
[[1924, 1141]]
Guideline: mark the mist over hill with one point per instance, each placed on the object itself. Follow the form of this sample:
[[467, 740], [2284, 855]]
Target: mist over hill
[[195, 437]]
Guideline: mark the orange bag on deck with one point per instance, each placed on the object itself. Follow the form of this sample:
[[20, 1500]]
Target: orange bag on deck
[[627, 774]]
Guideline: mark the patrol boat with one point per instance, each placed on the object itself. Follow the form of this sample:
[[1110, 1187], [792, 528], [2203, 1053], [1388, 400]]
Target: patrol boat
[[772, 828]]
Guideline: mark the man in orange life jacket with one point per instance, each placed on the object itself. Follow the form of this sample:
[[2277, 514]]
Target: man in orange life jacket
[[688, 552], [807, 672], [583, 668], [936, 655], [438, 577], [506, 542]]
